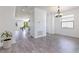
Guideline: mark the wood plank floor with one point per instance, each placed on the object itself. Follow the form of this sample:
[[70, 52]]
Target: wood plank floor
[[49, 44]]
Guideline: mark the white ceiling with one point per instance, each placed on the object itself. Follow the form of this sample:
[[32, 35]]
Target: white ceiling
[[49, 8], [22, 11], [54, 8]]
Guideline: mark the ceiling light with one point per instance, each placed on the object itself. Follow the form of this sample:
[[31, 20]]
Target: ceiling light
[[23, 10], [58, 14]]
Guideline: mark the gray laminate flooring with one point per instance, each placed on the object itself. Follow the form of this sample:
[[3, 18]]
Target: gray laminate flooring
[[49, 44]]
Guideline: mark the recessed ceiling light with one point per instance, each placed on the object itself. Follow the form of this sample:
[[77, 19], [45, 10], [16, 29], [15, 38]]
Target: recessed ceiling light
[[23, 10]]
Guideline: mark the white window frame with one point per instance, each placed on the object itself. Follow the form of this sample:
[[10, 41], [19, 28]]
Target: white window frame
[[67, 17]]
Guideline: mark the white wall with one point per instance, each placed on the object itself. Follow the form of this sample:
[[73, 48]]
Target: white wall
[[7, 19], [38, 23], [50, 23], [32, 24], [69, 32]]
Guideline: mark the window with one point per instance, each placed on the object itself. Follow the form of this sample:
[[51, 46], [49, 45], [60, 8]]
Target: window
[[67, 21]]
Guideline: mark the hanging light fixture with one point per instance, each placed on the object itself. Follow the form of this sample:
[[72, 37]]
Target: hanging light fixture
[[58, 14]]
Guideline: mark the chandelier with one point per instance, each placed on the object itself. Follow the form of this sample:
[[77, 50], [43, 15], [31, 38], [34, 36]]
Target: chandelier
[[58, 14]]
